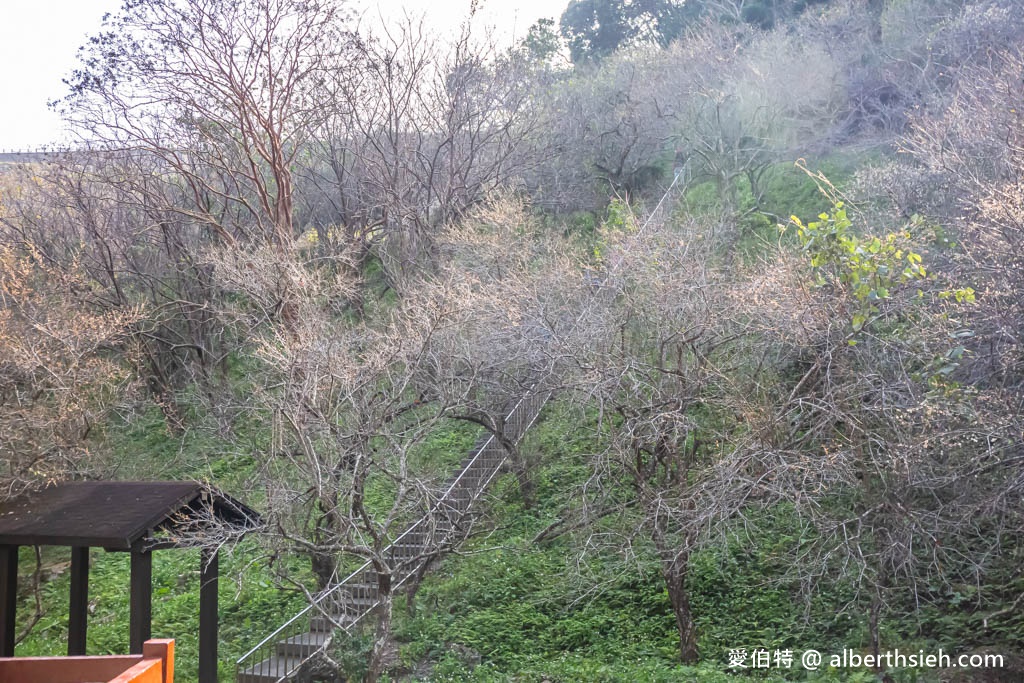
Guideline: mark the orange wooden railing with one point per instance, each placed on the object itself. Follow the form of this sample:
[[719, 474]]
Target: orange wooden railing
[[154, 665]]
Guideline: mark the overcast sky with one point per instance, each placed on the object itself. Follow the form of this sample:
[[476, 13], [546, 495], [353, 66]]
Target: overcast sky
[[39, 39]]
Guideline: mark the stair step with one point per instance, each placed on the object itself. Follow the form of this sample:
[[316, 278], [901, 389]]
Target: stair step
[[405, 552], [322, 624], [407, 548], [302, 645], [418, 537], [269, 670], [348, 608], [358, 600], [357, 592]]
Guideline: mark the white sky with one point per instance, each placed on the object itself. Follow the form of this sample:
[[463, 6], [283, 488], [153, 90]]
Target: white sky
[[39, 39]]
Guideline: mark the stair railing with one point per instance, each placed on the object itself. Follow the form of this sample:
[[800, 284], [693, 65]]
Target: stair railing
[[260, 660]]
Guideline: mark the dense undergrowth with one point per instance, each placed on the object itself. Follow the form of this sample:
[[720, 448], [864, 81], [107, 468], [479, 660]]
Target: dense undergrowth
[[508, 606], [850, 425]]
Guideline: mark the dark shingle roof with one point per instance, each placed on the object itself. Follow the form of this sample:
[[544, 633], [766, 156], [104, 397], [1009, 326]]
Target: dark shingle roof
[[112, 514]]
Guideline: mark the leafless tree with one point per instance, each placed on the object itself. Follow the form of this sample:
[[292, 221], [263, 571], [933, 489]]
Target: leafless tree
[[722, 395], [220, 93], [418, 132], [191, 115], [647, 355], [57, 378], [913, 469], [610, 127], [351, 401], [737, 124], [963, 171], [107, 215]]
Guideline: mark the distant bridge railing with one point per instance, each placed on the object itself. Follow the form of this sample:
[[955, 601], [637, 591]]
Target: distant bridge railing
[[18, 155]]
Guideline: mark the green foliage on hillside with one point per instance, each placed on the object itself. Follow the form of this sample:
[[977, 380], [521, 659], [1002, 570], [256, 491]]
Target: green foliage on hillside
[[250, 601], [759, 438], [511, 608]]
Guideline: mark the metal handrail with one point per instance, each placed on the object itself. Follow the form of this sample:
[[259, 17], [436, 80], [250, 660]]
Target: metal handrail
[[308, 608], [286, 629]]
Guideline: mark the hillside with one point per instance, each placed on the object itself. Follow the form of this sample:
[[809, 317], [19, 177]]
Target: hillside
[[766, 259]]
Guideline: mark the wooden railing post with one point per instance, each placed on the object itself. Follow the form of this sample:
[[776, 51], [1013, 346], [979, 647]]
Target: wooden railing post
[[164, 649], [78, 610], [208, 575]]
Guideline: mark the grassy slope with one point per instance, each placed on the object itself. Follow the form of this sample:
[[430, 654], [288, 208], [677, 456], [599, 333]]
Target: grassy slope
[[252, 604], [538, 611], [505, 608], [510, 609]]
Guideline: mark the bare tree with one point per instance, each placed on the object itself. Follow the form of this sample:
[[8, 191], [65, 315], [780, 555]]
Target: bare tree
[[898, 494], [736, 122], [220, 93], [856, 427], [418, 132], [191, 115], [647, 357], [610, 126], [57, 378], [972, 149], [105, 214], [351, 400]]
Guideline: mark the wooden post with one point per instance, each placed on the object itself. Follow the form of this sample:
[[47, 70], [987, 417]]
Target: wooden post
[[209, 572], [163, 650], [78, 612], [140, 616], [8, 598]]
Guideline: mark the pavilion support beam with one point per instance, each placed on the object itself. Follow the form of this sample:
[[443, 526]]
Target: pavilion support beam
[[209, 572], [140, 618], [78, 613], [8, 598]]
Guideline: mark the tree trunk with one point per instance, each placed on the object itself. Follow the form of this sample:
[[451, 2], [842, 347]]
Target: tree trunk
[[674, 572], [876, 608], [323, 560], [875, 623], [521, 468], [324, 566], [875, 9], [413, 585], [382, 635], [675, 564]]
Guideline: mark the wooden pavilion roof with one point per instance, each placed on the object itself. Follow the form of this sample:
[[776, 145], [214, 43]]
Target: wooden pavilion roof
[[115, 515]]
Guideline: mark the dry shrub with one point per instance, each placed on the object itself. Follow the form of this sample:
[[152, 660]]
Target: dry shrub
[[59, 372]]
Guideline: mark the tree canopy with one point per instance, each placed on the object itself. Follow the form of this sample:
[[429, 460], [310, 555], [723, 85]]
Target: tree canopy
[[596, 28]]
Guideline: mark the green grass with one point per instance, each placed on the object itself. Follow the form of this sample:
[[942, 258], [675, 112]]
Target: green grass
[[509, 609], [144, 448], [786, 191], [506, 608], [445, 447], [250, 605]]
